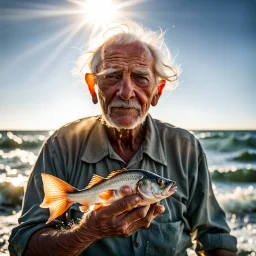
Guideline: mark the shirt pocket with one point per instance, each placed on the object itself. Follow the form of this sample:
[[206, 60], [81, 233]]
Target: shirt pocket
[[162, 237]]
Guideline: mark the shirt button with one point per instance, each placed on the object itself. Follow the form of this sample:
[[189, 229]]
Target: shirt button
[[137, 244]]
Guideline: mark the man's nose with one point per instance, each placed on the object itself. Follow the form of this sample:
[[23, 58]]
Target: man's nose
[[126, 89]]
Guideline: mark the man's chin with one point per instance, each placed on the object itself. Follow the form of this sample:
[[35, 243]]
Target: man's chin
[[127, 122]]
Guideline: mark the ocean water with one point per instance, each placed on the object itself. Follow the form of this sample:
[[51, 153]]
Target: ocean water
[[231, 157]]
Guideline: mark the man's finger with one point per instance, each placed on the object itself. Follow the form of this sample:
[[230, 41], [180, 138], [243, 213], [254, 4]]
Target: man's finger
[[150, 214], [158, 209], [141, 223], [126, 191], [136, 214], [144, 213], [120, 206]]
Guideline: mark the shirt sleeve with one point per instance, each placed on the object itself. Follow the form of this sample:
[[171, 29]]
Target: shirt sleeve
[[208, 221], [33, 217]]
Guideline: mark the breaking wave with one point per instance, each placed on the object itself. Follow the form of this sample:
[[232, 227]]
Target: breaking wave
[[10, 144], [240, 175], [238, 201], [12, 140], [245, 156], [226, 141]]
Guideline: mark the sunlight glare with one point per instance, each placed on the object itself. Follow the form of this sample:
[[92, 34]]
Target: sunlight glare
[[100, 12], [17, 181]]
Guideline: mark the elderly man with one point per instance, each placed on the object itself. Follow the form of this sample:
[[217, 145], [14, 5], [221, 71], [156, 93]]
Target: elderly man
[[130, 75]]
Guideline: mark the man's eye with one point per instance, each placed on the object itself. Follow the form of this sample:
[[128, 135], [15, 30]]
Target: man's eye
[[111, 79], [141, 80], [113, 76], [137, 77]]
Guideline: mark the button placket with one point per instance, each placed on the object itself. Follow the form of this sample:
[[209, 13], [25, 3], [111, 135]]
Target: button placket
[[137, 243]]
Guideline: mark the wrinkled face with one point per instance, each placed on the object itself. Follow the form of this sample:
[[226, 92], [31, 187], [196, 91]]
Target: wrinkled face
[[155, 189], [126, 84]]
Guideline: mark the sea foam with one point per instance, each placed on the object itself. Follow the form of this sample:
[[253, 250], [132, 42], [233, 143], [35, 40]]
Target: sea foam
[[239, 201]]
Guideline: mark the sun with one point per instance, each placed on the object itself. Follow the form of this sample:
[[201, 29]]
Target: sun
[[100, 12], [88, 16]]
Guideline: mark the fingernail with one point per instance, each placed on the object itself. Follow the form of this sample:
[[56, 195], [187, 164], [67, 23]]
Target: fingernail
[[137, 199], [163, 209], [124, 190]]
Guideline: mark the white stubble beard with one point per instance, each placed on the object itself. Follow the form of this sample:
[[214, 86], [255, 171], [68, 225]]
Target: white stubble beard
[[110, 122]]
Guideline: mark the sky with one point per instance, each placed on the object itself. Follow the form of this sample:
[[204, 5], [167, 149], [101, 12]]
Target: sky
[[213, 41]]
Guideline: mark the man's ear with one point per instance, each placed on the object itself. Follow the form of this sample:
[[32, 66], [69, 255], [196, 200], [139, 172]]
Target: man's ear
[[90, 79], [160, 88]]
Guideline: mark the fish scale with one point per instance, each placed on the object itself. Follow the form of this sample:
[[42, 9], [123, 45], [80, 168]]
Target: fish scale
[[130, 178]]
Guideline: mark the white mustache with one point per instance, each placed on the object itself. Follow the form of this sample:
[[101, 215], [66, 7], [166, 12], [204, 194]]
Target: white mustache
[[125, 104]]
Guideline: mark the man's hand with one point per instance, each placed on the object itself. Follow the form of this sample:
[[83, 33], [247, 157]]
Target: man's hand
[[121, 218]]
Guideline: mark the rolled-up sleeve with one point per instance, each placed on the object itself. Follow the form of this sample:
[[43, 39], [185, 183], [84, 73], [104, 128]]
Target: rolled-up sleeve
[[209, 228], [33, 217]]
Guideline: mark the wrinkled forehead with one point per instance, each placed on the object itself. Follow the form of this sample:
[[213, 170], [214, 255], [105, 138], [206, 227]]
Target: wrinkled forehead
[[130, 53]]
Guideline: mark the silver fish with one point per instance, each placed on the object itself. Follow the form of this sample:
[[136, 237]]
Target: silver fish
[[59, 195]]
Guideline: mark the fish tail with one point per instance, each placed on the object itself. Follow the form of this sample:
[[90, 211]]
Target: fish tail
[[55, 195]]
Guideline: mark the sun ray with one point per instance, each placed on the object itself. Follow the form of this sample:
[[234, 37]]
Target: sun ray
[[33, 50], [87, 10], [54, 54], [77, 2], [90, 19], [31, 14], [130, 3]]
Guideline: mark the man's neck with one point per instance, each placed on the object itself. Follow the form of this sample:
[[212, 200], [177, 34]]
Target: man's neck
[[126, 142]]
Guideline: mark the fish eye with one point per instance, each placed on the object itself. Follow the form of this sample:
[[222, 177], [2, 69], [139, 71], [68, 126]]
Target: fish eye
[[160, 181]]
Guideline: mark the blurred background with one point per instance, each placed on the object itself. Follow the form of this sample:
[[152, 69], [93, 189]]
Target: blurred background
[[213, 41]]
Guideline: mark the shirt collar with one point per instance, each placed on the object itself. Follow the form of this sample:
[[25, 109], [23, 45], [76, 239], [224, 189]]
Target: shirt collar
[[98, 145]]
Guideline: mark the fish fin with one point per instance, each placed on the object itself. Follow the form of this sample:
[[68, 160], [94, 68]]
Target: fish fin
[[114, 173], [55, 195], [106, 195], [96, 179], [85, 207]]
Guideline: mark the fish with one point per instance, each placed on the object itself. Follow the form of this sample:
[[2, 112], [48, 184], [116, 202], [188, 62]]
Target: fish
[[59, 195]]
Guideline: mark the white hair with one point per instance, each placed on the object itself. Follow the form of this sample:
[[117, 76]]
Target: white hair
[[122, 34]]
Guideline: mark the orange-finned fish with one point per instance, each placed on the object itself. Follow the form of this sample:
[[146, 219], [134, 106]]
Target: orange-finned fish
[[59, 195]]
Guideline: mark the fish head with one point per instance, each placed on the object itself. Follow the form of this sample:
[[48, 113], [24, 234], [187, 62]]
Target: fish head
[[154, 188]]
